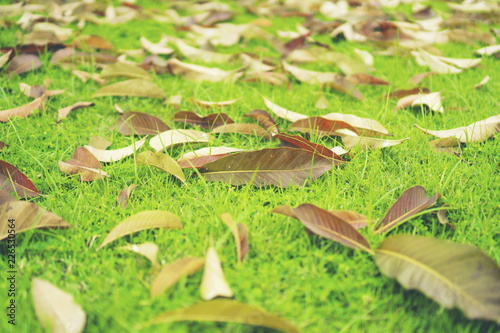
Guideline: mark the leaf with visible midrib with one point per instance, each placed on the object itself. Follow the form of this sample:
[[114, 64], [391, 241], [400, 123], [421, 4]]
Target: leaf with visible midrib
[[173, 272], [454, 275], [320, 126], [142, 221], [225, 310], [325, 224], [288, 140], [411, 202], [12, 179], [139, 123], [55, 308], [243, 128], [277, 166], [27, 216]]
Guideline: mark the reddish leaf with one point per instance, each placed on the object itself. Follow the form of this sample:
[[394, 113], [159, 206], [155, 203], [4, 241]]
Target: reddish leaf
[[84, 164], [407, 92], [288, 140], [320, 126], [12, 179], [210, 121], [200, 161], [294, 44], [23, 63], [264, 119], [243, 128], [139, 123]]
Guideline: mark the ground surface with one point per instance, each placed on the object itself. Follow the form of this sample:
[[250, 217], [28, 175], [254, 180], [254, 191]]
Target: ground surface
[[317, 284]]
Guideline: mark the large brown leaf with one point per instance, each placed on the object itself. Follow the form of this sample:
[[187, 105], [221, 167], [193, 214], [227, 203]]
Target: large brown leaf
[[139, 123], [84, 164], [200, 157], [320, 126], [281, 167], [265, 120], [22, 111], [243, 128], [27, 216], [454, 275], [411, 202], [325, 224], [208, 122], [288, 140], [225, 310], [13, 180]]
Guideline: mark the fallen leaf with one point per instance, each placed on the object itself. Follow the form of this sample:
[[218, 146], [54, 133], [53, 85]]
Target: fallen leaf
[[281, 167], [446, 145], [121, 69], [200, 73], [84, 164], [27, 216], [282, 112], [286, 210], [4, 58], [325, 224], [13, 180], [475, 132], [431, 100], [37, 91], [240, 234], [200, 157], [94, 42], [63, 113], [84, 76], [416, 79], [363, 78], [172, 138], [288, 140], [148, 250], [332, 80], [225, 310], [453, 275], [3, 145], [117, 154], [139, 123], [489, 50], [363, 126], [243, 128], [124, 195], [142, 221], [351, 140], [207, 122], [22, 111], [56, 309], [411, 202], [207, 104], [6, 197], [407, 92], [320, 126], [134, 87], [175, 101], [162, 162], [265, 120], [173, 272], [436, 64], [159, 48], [483, 82], [213, 283], [99, 142], [195, 54], [23, 63], [321, 102]]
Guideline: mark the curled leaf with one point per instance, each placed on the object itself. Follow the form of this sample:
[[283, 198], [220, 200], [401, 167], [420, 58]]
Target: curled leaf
[[148, 250], [139, 123], [117, 154], [431, 100], [320, 126], [142, 221], [210, 121], [172, 138], [23, 63], [84, 164], [134, 87], [350, 140], [243, 128], [240, 234], [288, 140], [213, 283], [13, 180], [63, 113], [124, 195], [265, 120], [173, 272], [22, 111]]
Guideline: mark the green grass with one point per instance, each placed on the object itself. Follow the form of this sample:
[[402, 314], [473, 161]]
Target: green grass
[[317, 284]]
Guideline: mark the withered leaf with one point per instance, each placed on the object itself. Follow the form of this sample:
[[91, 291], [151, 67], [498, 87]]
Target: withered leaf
[[282, 112], [243, 128], [213, 283], [431, 100], [124, 195], [27, 216], [22, 111], [172, 138], [363, 126], [99, 142], [320, 126], [446, 145], [139, 123], [363, 78], [416, 79], [265, 120], [56, 309], [37, 91], [454, 275], [148, 250], [63, 113], [162, 162], [134, 87], [200, 73], [208, 104], [173, 272], [4, 58], [13, 180], [411, 202], [208, 122], [281, 167], [142, 221], [240, 234], [198, 158], [407, 92], [121, 69], [325, 224], [351, 140], [84, 164], [116, 154], [288, 140], [159, 48], [23, 63]]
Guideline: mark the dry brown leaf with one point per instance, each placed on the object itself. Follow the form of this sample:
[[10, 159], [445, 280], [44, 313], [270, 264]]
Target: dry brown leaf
[[208, 104], [148, 250], [22, 111], [55, 309], [84, 76], [320, 126], [84, 164], [173, 272], [124, 195], [139, 123], [159, 48], [99, 142], [213, 283], [37, 91], [4, 58], [240, 234], [265, 120], [117, 154], [195, 54], [448, 145], [200, 73], [23, 63], [243, 128], [134, 87], [364, 126], [63, 113], [431, 100], [208, 122], [482, 83], [172, 138], [475, 132], [27, 216], [142, 221]]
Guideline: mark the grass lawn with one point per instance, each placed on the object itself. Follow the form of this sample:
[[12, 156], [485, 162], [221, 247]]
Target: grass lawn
[[317, 284]]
